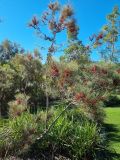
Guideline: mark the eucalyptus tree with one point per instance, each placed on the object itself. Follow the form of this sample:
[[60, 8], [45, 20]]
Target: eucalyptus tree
[[107, 40]]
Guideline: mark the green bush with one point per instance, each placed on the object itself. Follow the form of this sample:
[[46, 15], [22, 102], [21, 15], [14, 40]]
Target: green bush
[[112, 101], [18, 134], [73, 136]]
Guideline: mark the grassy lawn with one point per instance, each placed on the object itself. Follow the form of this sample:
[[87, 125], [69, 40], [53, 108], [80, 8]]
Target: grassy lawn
[[113, 126]]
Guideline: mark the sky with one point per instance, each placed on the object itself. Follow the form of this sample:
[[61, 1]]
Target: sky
[[90, 15]]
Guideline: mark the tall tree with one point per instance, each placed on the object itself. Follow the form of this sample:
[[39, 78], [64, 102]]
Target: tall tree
[[108, 38], [56, 19]]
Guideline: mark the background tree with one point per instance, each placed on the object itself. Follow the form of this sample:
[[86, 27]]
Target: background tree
[[29, 79], [78, 52], [107, 41], [9, 50], [7, 89], [75, 49]]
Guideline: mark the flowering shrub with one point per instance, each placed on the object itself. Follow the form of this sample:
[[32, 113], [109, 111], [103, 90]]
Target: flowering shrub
[[20, 105], [86, 86], [72, 136]]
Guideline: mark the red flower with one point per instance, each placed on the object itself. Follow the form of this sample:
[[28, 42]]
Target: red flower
[[100, 36], [66, 73], [79, 96], [118, 71], [72, 30], [19, 101], [94, 69], [93, 102], [35, 22], [54, 71]]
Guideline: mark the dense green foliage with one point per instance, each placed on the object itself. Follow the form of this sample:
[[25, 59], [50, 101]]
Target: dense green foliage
[[72, 136], [9, 50]]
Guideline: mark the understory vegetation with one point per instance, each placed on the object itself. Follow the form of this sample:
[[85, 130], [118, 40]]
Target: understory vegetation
[[54, 110]]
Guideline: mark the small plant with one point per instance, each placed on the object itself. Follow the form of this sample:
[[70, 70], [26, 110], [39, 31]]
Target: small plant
[[18, 106]]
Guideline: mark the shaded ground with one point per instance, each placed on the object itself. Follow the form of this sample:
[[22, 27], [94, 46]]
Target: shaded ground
[[113, 129]]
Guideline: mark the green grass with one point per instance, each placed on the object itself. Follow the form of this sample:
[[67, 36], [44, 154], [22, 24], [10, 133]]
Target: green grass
[[113, 127]]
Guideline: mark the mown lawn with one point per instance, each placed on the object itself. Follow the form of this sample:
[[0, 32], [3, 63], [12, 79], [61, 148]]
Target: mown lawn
[[113, 126]]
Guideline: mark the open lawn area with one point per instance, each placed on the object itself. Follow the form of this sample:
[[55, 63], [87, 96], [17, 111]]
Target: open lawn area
[[113, 123]]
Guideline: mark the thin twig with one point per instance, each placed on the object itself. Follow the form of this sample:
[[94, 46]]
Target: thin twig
[[52, 124]]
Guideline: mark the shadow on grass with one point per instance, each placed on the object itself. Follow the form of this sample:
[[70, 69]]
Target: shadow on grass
[[113, 101], [111, 133]]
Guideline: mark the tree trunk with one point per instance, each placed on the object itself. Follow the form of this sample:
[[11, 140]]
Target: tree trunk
[[47, 105]]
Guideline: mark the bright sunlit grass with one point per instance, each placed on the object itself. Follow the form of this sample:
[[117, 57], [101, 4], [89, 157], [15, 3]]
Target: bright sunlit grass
[[113, 119]]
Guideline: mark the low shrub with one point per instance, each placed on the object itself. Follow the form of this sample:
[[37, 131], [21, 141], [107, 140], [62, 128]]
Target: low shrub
[[18, 134], [72, 137]]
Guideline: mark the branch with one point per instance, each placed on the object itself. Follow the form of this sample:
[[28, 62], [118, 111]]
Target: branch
[[52, 124]]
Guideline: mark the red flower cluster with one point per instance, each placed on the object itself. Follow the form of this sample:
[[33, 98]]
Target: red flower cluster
[[79, 96], [54, 71], [66, 12], [118, 71], [54, 6], [66, 73], [100, 36], [34, 22], [71, 26], [19, 101], [92, 102], [65, 78], [94, 69]]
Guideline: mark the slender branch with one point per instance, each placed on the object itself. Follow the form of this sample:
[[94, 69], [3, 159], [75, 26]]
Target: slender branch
[[53, 123]]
